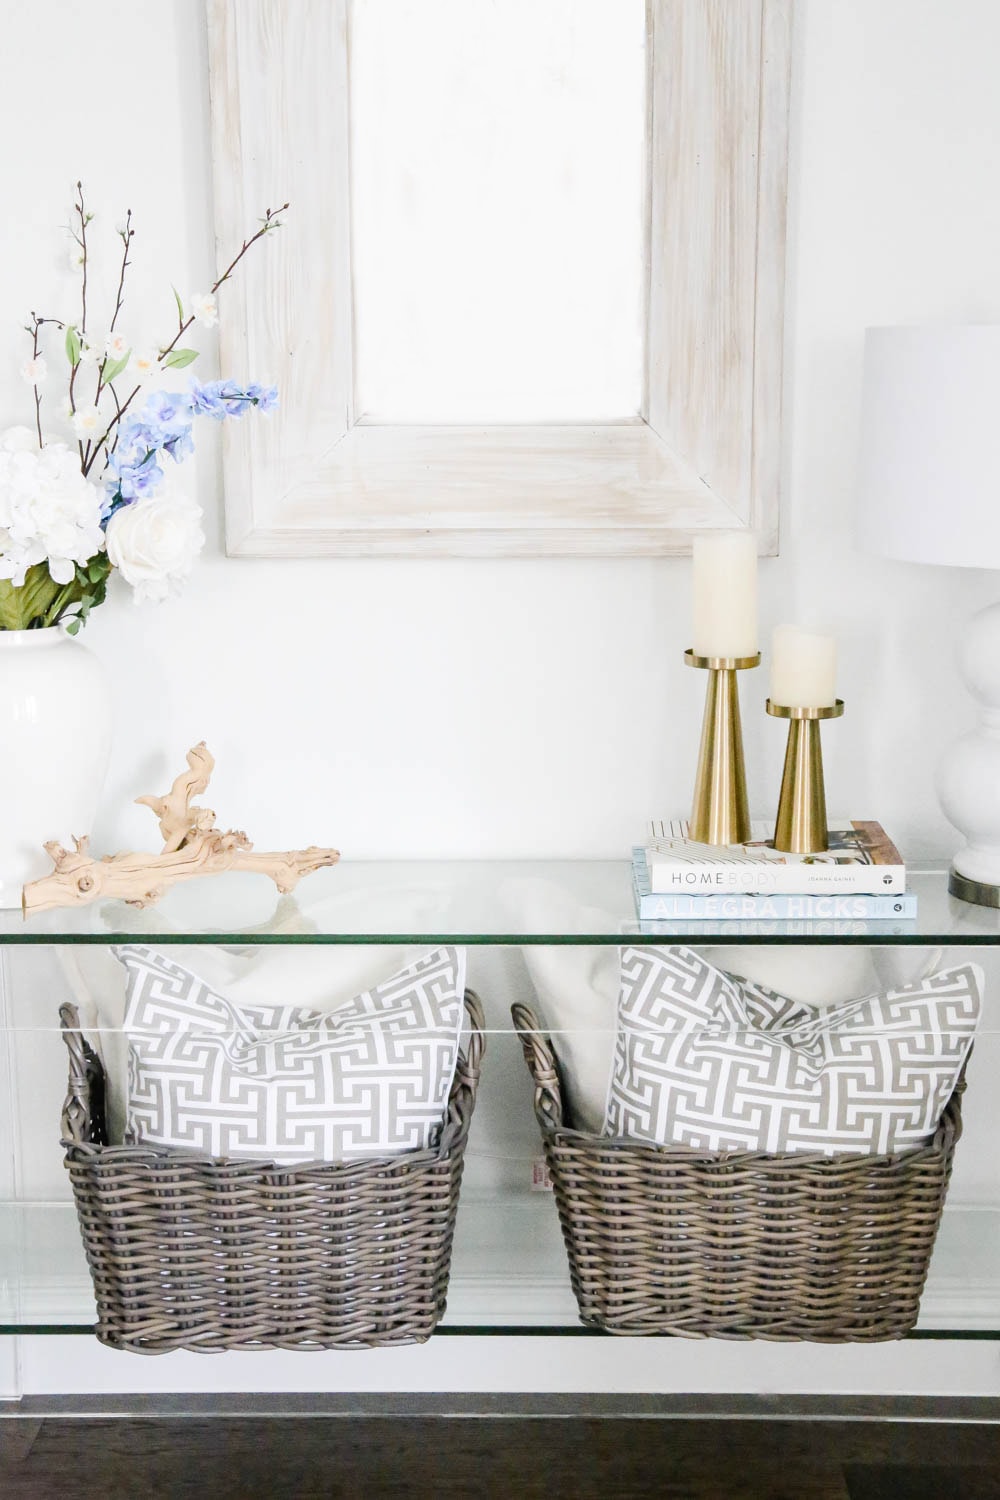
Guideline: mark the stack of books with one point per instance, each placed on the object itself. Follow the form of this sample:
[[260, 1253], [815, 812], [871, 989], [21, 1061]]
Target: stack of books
[[856, 886]]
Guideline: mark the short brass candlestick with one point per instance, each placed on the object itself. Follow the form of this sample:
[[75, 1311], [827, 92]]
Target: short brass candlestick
[[800, 827], [720, 813]]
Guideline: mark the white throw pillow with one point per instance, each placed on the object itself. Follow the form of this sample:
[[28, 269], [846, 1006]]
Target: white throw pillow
[[283, 1082], [718, 1064], [577, 987]]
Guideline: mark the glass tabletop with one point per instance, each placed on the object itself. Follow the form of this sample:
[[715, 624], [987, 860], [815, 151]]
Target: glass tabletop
[[472, 901]]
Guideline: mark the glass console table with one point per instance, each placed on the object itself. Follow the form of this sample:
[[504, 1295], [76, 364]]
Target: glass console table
[[509, 1268], [500, 902]]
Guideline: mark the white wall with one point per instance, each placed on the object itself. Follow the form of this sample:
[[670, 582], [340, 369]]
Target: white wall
[[515, 708], [488, 708]]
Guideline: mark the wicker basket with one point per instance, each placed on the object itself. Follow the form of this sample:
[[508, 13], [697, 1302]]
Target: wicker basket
[[191, 1252], [740, 1244]]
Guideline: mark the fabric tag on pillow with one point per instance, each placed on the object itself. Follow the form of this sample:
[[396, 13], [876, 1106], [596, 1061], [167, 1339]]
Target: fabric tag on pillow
[[704, 1059], [287, 1083]]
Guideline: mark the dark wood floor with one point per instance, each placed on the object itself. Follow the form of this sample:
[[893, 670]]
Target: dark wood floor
[[343, 1458]]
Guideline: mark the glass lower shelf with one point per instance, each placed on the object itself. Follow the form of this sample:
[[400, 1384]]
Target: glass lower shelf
[[508, 1271]]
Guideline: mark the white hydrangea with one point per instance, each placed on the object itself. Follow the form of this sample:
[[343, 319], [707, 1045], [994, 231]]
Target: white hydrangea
[[153, 543], [48, 511]]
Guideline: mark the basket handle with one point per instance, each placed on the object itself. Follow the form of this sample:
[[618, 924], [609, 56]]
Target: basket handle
[[541, 1062], [83, 1116], [466, 1080], [475, 1046], [76, 1110]]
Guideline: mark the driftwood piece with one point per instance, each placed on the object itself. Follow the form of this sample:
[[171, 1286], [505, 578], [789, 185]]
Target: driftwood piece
[[178, 819], [192, 846]]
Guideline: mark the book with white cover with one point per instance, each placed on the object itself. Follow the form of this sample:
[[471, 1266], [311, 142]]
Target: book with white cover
[[861, 860], [741, 906]]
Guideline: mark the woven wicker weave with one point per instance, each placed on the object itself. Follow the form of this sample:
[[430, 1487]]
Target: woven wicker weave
[[190, 1252], [740, 1244]]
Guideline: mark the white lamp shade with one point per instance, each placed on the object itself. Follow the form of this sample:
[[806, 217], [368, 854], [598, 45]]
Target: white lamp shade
[[929, 481]]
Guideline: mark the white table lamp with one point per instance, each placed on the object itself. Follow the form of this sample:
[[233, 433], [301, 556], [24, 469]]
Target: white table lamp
[[929, 490]]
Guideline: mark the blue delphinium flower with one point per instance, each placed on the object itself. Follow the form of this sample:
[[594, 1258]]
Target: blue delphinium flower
[[168, 410], [164, 425], [224, 398], [134, 475], [167, 417], [206, 400], [133, 470], [264, 397]]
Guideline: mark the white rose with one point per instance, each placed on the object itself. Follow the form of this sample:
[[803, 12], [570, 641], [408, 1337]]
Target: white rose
[[153, 544]]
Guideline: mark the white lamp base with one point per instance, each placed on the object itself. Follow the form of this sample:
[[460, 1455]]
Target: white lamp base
[[968, 779]]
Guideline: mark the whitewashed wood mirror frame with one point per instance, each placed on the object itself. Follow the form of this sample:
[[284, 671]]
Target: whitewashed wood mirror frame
[[703, 450]]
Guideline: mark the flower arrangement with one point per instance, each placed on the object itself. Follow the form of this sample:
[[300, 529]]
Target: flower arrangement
[[69, 515]]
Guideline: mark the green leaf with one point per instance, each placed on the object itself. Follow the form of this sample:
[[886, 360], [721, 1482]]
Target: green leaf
[[40, 601], [113, 368], [73, 627], [180, 304], [72, 346], [12, 616], [21, 607], [178, 358]]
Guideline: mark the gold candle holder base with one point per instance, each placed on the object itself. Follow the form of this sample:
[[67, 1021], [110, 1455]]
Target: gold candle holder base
[[720, 813], [800, 827]]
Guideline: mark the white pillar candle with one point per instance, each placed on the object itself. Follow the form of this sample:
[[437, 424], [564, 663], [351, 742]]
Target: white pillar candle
[[803, 668], [725, 594]]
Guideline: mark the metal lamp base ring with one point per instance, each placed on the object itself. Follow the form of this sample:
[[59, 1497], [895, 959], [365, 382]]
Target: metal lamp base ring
[[978, 892]]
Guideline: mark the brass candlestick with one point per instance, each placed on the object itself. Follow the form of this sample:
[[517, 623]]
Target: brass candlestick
[[720, 813], [800, 827]]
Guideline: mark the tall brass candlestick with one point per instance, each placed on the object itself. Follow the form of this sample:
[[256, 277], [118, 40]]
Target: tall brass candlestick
[[800, 827], [720, 813]]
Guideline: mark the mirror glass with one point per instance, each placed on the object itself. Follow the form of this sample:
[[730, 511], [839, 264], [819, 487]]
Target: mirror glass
[[497, 181]]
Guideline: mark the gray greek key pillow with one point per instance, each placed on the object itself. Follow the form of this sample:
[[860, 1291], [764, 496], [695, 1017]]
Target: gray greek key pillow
[[707, 1060], [285, 1083]]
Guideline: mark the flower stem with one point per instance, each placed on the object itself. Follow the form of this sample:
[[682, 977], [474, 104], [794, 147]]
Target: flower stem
[[35, 324], [127, 234], [271, 221], [38, 395], [83, 245]]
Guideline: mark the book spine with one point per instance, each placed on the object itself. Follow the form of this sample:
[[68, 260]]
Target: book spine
[[773, 908], [672, 877], [695, 932]]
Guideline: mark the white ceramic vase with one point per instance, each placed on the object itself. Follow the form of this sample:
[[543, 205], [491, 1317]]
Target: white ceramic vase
[[55, 735]]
